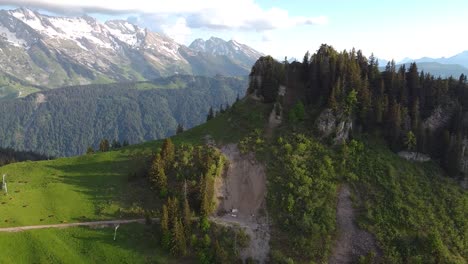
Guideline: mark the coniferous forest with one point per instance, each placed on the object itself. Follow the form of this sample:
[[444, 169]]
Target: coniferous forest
[[416, 211], [68, 121], [400, 104]]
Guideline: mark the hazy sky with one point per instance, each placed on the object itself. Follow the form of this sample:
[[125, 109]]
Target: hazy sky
[[389, 29]]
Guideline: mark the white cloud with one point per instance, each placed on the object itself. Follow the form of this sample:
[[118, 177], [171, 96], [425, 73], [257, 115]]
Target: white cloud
[[209, 14], [178, 31]]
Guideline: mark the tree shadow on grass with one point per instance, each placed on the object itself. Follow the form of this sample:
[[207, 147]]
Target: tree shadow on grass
[[118, 184], [141, 240]]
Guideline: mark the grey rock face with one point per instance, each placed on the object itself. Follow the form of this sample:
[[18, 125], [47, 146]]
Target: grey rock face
[[336, 125]]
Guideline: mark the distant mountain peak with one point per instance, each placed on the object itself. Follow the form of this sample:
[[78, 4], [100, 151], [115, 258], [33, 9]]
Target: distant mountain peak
[[460, 59], [53, 51], [232, 49]]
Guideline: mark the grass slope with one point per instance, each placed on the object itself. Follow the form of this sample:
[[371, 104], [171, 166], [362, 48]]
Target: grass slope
[[134, 244], [109, 185], [418, 214], [89, 187]]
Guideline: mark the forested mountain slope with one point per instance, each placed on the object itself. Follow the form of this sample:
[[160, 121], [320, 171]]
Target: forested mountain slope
[[343, 121], [414, 212], [66, 121]]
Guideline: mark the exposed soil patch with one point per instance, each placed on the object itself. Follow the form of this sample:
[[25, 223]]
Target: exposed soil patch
[[274, 121], [241, 195], [352, 241], [40, 98]]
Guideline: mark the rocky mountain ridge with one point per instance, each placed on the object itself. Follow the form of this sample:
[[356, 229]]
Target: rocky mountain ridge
[[61, 51]]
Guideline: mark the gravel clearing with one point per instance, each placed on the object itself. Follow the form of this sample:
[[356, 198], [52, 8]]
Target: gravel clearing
[[352, 241]]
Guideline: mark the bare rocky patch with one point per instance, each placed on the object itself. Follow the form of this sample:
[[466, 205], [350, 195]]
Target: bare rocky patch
[[241, 195], [353, 242]]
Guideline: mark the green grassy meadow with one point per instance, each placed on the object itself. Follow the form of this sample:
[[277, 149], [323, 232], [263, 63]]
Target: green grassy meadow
[[135, 243], [101, 186], [91, 187]]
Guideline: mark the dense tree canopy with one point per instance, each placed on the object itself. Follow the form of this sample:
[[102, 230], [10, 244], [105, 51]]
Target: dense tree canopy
[[395, 101], [67, 121]]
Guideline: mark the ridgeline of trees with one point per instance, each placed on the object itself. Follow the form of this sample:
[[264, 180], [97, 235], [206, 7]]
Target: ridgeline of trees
[[394, 102], [8, 155], [67, 121]]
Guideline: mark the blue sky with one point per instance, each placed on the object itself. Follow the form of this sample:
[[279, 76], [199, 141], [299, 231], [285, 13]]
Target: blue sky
[[389, 29]]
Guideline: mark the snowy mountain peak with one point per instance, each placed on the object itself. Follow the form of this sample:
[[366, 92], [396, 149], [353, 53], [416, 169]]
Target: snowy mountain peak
[[56, 51], [231, 49], [24, 13]]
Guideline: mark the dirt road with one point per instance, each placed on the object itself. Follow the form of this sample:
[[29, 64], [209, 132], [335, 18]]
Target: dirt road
[[352, 241], [64, 225]]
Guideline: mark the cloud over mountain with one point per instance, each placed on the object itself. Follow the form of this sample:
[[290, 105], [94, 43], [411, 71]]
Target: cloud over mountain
[[210, 14]]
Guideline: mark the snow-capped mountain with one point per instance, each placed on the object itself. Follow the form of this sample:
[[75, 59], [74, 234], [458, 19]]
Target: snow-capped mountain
[[231, 49], [57, 51]]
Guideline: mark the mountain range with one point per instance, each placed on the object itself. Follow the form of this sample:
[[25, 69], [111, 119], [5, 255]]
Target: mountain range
[[452, 66], [435, 68], [39, 52], [460, 59]]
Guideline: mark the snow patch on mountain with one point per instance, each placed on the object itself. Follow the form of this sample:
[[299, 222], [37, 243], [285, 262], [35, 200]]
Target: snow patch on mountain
[[10, 37], [231, 49]]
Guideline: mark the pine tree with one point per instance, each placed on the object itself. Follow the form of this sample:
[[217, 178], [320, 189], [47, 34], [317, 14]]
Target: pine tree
[[173, 210], [187, 217], [415, 115], [158, 175], [166, 235], [168, 153], [210, 115], [179, 244], [350, 103], [332, 100], [180, 129], [207, 194], [89, 151], [164, 219], [116, 144], [104, 145], [379, 111], [410, 141], [365, 103], [394, 124]]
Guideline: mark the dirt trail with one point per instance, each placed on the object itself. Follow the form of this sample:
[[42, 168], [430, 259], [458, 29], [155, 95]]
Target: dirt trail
[[241, 194], [273, 121], [92, 224], [352, 241]]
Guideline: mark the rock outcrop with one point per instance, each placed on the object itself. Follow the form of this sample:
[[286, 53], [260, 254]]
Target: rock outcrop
[[440, 117], [335, 125], [414, 156], [464, 164]]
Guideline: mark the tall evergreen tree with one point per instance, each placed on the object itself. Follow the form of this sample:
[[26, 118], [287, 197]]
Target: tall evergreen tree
[[179, 244], [187, 217], [168, 152], [158, 175], [166, 234], [104, 145], [179, 129], [90, 150], [210, 115]]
